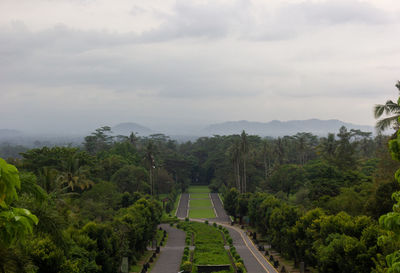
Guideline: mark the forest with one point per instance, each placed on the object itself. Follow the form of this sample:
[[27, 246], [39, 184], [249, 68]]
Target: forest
[[326, 201]]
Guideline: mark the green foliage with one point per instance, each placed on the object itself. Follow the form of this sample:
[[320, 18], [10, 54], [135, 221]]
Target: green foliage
[[15, 223], [187, 266], [9, 183], [131, 179], [231, 200], [391, 220]]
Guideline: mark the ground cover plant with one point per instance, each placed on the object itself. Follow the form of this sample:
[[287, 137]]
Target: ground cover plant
[[209, 245], [201, 213], [200, 203], [199, 195], [199, 189]]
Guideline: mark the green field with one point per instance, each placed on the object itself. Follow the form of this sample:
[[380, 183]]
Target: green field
[[199, 195], [200, 203], [209, 245], [201, 213], [199, 189]]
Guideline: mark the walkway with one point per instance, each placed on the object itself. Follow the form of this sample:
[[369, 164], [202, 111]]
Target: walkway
[[222, 217], [170, 256], [183, 206], [253, 259]]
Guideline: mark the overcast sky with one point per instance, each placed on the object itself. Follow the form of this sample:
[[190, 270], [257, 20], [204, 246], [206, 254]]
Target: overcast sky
[[75, 65]]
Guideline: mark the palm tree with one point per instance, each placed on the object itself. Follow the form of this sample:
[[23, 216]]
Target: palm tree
[[389, 108], [244, 149], [267, 156], [149, 157], [235, 157], [75, 175], [47, 179]]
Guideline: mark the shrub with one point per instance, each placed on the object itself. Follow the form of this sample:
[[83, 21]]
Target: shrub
[[214, 224], [186, 251], [206, 222], [240, 267], [187, 266]]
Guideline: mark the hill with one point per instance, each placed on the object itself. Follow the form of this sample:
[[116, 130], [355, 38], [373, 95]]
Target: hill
[[280, 128], [127, 128]]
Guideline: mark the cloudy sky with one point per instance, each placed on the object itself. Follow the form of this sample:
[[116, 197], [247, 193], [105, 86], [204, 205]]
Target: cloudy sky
[[75, 65]]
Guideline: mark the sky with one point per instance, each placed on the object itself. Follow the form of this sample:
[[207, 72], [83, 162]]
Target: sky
[[72, 66]]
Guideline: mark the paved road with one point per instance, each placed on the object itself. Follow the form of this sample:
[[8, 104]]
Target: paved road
[[253, 260], [171, 255], [222, 217], [183, 206]]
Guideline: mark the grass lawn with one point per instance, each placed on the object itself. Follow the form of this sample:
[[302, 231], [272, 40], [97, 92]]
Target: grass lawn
[[199, 189], [201, 213], [176, 204], [200, 203], [199, 195], [209, 245]]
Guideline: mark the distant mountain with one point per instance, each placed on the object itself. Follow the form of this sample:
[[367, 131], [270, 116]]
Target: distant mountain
[[281, 128], [127, 128]]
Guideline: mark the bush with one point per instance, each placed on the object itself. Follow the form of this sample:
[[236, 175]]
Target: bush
[[240, 267], [206, 222], [187, 266], [186, 251], [214, 224]]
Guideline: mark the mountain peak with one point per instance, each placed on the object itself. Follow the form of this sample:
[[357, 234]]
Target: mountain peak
[[126, 128]]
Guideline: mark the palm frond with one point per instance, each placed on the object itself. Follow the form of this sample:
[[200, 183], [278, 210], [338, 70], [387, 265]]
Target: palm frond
[[385, 123], [378, 110]]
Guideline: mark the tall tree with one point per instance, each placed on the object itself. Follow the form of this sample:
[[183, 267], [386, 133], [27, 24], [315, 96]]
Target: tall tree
[[392, 110], [267, 158], [244, 149], [235, 158], [149, 157]]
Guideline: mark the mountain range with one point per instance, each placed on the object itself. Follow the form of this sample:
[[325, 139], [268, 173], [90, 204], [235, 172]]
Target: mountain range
[[277, 128], [273, 128]]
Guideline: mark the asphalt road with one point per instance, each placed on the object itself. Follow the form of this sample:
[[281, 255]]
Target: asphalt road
[[170, 257], [183, 206], [253, 259]]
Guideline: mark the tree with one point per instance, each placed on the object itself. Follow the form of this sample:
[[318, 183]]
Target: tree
[[75, 174], [344, 153], [391, 221], [151, 163], [267, 157], [99, 140], [231, 202], [235, 158], [15, 223], [244, 150], [392, 110], [287, 178], [131, 178]]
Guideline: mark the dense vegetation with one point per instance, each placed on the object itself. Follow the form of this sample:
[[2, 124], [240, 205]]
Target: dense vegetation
[[316, 199], [88, 207]]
